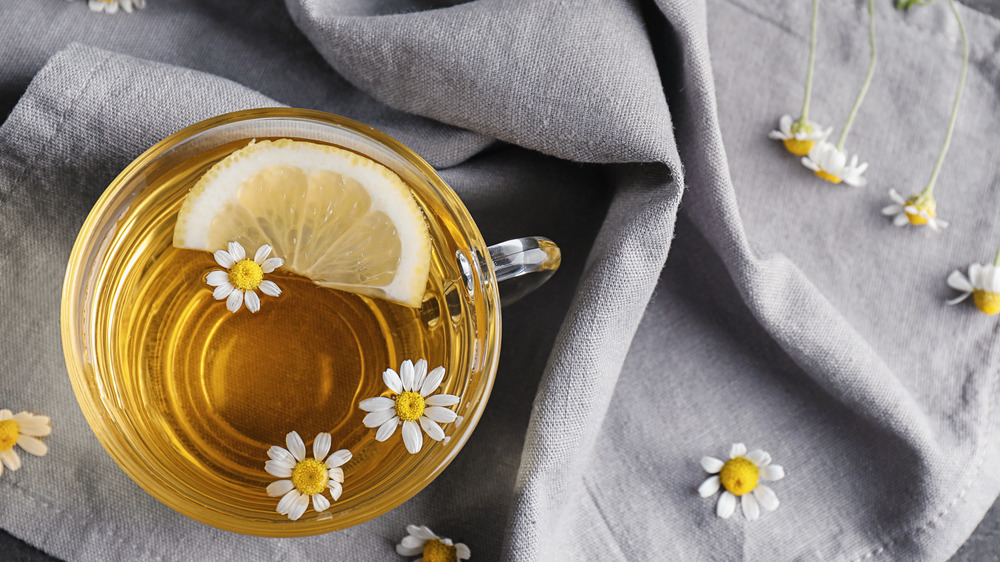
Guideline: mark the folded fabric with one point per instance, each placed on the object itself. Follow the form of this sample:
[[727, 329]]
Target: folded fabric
[[789, 315]]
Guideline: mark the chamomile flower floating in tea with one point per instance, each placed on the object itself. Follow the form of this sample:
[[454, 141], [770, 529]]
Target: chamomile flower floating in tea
[[337, 218], [982, 283], [431, 548], [305, 478], [410, 405], [918, 210], [800, 136], [21, 429], [238, 285], [740, 477], [111, 6]]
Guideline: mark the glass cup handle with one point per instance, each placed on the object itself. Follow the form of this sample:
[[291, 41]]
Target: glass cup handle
[[522, 265]]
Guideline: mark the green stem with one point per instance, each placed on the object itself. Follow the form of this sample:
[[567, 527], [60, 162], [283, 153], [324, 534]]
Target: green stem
[[868, 78], [812, 64], [996, 260], [954, 108]]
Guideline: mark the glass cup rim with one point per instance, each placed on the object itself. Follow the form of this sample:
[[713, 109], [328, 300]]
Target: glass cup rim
[[85, 245]]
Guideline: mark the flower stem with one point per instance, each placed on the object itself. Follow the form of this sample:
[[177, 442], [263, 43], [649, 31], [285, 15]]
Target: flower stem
[[812, 64], [996, 260], [868, 78], [954, 108]]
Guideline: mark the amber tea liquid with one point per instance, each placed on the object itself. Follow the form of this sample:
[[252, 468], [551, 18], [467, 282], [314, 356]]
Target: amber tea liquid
[[214, 390]]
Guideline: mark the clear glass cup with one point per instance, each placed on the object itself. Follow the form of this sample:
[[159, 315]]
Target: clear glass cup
[[124, 412]]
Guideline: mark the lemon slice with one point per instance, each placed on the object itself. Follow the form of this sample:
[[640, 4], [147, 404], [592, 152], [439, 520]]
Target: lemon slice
[[335, 217]]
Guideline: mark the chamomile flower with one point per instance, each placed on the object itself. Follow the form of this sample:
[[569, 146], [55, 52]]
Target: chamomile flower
[[410, 405], [305, 478], [983, 283], [111, 6], [237, 285], [740, 477], [431, 547], [918, 210], [799, 136], [830, 163], [21, 429]]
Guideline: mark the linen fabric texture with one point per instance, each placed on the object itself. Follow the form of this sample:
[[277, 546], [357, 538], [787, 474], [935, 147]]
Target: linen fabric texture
[[712, 291]]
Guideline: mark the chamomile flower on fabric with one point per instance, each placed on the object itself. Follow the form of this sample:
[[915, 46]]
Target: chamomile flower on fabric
[[799, 136], [830, 163], [740, 477], [918, 210], [431, 547], [305, 479], [237, 286], [982, 283], [21, 429], [410, 405], [111, 6]]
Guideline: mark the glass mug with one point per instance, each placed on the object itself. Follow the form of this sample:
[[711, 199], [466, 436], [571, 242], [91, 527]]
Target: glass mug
[[187, 397]]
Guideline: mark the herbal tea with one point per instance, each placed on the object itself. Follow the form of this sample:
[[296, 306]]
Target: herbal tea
[[209, 390]]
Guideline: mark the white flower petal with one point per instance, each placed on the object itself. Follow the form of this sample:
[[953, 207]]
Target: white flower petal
[[321, 446], [269, 288], [5, 414], [224, 259], [958, 299], [281, 454], [35, 428], [262, 254], [336, 474], [462, 551], [298, 507], [901, 220], [278, 468], [409, 551], [285, 504], [772, 472], [270, 264], [709, 487], [958, 281], [386, 430], [217, 277], [336, 489], [711, 465], [406, 375], [279, 488], [295, 445], [439, 414], [412, 437], [410, 541], [377, 418], [890, 210], [338, 458], [750, 508], [759, 457], [808, 163], [432, 429], [432, 382], [895, 196], [223, 291], [938, 224], [377, 404], [766, 497], [776, 135], [392, 380], [442, 400], [726, 505], [737, 450], [785, 124], [234, 301], [253, 301], [32, 445], [421, 532], [236, 251], [320, 503], [419, 373]]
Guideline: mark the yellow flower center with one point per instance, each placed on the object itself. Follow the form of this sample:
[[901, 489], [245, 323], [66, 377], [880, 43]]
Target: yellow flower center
[[918, 219], [986, 302], [739, 475], [437, 551], [410, 406], [8, 434], [828, 176], [246, 275], [799, 147], [310, 477]]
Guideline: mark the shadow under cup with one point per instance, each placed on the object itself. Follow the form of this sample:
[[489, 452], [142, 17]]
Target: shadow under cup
[[198, 444]]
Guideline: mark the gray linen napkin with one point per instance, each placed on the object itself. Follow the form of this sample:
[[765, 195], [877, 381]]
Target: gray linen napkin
[[790, 314]]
